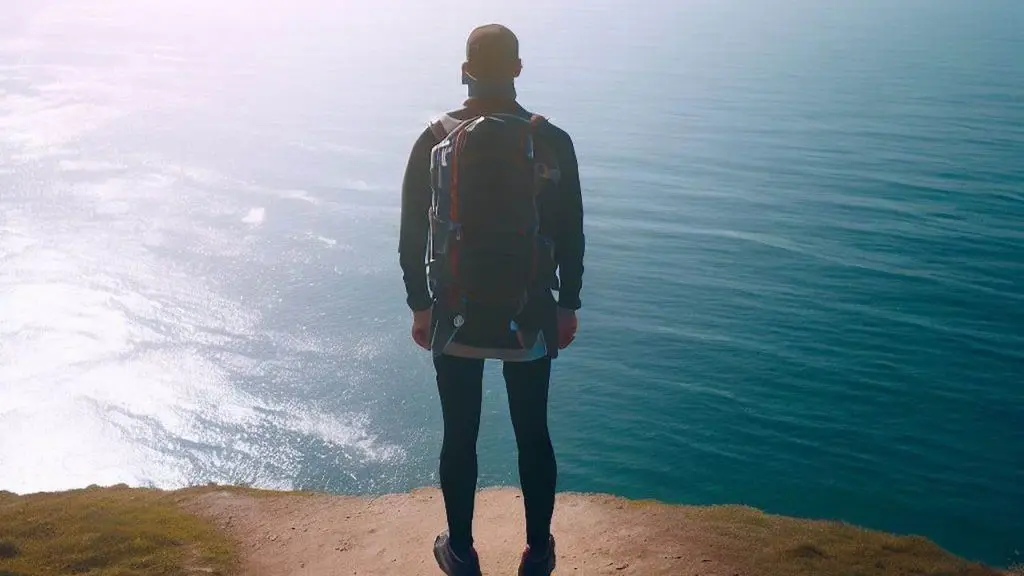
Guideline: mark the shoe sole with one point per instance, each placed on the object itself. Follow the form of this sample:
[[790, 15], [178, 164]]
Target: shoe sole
[[550, 568], [440, 563]]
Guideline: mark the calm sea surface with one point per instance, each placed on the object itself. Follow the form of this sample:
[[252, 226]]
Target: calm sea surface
[[805, 268]]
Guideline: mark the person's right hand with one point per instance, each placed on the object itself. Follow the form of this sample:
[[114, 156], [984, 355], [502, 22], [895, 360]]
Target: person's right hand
[[421, 328]]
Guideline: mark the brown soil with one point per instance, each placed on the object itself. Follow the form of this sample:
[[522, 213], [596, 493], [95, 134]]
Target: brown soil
[[317, 535], [286, 534]]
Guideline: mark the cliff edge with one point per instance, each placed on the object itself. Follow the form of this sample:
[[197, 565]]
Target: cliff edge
[[234, 531]]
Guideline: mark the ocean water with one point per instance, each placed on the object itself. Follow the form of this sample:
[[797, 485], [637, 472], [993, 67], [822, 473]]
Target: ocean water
[[805, 270]]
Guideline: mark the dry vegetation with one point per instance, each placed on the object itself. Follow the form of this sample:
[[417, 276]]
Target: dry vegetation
[[777, 546], [108, 532]]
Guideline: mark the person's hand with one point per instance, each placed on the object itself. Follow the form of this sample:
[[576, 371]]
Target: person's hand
[[567, 326], [421, 328]]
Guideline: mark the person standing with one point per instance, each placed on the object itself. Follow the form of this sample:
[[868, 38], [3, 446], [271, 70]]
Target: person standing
[[491, 229]]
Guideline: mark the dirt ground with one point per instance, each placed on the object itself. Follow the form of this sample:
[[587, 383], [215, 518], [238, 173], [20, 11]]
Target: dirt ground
[[316, 535]]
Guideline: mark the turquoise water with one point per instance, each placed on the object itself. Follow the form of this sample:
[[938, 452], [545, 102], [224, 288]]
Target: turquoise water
[[804, 271]]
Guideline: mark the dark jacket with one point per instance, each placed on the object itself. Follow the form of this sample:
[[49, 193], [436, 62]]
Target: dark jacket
[[567, 220]]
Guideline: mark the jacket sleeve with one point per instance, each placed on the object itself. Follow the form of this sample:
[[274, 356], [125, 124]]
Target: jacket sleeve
[[570, 242], [415, 226]]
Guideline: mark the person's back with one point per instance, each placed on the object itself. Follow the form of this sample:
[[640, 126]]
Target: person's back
[[488, 291]]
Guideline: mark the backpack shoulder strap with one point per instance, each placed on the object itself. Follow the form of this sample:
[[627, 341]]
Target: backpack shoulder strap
[[437, 129], [547, 168], [444, 125]]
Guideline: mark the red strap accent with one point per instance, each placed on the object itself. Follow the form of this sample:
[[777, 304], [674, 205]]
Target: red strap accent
[[454, 200], [453, 209]]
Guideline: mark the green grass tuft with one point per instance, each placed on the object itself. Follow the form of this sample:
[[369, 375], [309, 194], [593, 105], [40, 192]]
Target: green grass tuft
[[114, 531]]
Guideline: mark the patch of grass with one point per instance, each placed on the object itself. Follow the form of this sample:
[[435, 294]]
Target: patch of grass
[[116, 531], [780, 546]]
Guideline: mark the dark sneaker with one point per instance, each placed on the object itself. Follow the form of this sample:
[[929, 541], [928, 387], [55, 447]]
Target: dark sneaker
[[451, 564], [532, 565]]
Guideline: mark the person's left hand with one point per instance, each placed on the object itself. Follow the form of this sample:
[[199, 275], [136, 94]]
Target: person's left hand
[[567, 326]]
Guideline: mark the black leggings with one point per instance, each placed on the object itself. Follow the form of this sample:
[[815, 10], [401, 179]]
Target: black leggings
[[460, 384]]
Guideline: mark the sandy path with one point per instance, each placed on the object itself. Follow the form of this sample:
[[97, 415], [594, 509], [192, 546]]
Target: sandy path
[[316, 535]]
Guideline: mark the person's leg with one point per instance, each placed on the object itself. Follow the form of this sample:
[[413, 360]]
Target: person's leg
[[460, 386], [527, 385]]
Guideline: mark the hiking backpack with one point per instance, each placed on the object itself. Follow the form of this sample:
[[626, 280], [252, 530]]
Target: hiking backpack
[[487, 254]]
